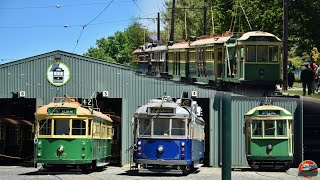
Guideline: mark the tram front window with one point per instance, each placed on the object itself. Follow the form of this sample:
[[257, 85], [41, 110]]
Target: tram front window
[[61, 127], [257, 128], [282, 128], [45, 127], [269, 128], [144, 127], [178, 127], [161, 127]]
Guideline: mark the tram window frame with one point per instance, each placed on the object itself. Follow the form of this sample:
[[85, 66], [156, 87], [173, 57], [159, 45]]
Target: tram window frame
[[47, 127], [251, 58], [260, 133], [81, 128], [146, 130], [262, 53], [62, 124], [274, 53], [179, 129], [269, 128], [165, 131], [284, 128], [89, 126]]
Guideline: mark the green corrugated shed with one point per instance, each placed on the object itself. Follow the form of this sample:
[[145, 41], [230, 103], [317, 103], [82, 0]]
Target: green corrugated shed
[[88, 75]]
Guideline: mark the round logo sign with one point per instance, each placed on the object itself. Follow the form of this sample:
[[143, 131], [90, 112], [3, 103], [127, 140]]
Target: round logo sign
[[308, 169], [58, 74]]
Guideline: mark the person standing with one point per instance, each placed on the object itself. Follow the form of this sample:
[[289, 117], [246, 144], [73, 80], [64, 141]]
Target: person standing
[[306, 78], [291, 79], [313, 66]]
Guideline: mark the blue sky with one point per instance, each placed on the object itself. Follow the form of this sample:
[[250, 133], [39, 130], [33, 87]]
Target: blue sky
[[33, 27]]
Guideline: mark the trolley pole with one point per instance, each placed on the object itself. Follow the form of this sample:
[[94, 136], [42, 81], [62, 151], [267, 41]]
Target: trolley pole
[[172, 21], [226, 136], [204, 17], [158, 27], [285, 45]]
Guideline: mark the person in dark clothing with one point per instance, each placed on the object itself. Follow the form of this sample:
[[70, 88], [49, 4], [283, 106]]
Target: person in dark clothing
[[291, 69], [306, 78]]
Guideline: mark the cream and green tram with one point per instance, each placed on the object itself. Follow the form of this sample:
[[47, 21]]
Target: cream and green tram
[[269, 137], [68, 134]]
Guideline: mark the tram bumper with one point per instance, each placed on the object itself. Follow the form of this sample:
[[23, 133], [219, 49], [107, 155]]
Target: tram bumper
[[162, 162]]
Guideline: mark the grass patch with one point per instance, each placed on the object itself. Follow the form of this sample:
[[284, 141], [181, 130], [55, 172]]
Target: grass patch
[[297, 85]]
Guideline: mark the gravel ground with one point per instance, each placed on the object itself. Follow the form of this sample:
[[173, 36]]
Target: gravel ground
[[25, 173]]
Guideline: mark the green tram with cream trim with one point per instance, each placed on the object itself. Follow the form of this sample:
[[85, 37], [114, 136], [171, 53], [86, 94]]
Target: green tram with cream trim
[[269, 137], [69, 134]]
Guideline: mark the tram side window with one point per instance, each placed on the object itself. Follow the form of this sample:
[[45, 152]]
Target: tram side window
[[161, 127], [257, 128], [273, 53], [45, 127], [178, 127], [262, 52], [269, 128], [144, 127], [78, 127], [282, 128], [251, 53], [61, 127]]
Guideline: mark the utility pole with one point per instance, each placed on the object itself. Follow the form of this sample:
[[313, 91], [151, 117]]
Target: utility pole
[[172, 21], [158, 28], [204, 17], [285, 45]]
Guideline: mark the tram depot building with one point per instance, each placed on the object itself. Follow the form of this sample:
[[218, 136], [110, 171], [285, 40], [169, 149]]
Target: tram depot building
[[29, 83]]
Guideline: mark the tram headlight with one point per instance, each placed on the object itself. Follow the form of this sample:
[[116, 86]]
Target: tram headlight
[[182, 144], [39, 154], [160, 148], [269, 147], [139, 142]]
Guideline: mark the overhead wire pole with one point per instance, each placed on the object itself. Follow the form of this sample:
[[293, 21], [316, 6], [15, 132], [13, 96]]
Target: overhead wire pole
[[172, 21], [204, 17], [158, 27], [285, 45]]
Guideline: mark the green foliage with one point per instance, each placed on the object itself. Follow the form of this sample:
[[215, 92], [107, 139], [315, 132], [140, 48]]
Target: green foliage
[[118, 48], [315, 55]]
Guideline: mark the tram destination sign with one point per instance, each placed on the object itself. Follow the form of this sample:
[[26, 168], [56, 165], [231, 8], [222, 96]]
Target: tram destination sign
[[158, 110], [53, 110], [269, 113]]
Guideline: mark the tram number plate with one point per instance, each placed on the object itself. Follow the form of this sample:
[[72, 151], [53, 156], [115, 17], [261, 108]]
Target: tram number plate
[[89, 102]]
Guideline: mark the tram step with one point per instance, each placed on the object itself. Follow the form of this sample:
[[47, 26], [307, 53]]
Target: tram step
[[198, 165], [102, 164]]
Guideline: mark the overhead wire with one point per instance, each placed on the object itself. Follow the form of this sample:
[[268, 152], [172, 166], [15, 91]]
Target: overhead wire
[[84, 26], [134, 1]]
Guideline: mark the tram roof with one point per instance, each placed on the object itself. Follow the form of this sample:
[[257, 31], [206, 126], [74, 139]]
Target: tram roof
[[80, 110], [181, 45], [268, 107], [214, 40], [247, 35], [179, 110]]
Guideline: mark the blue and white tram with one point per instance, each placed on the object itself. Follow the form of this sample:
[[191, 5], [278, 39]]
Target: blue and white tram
[[169, 135]]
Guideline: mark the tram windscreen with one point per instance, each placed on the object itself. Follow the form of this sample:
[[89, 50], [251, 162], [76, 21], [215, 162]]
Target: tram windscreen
[[178, 127], [61, 127], [269, 128], [281, 127], [262, 53], [161, 127], [144, 127], [45, 127], [257, 128]]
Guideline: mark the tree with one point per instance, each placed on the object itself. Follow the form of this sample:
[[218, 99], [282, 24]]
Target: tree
[[118, 48]]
